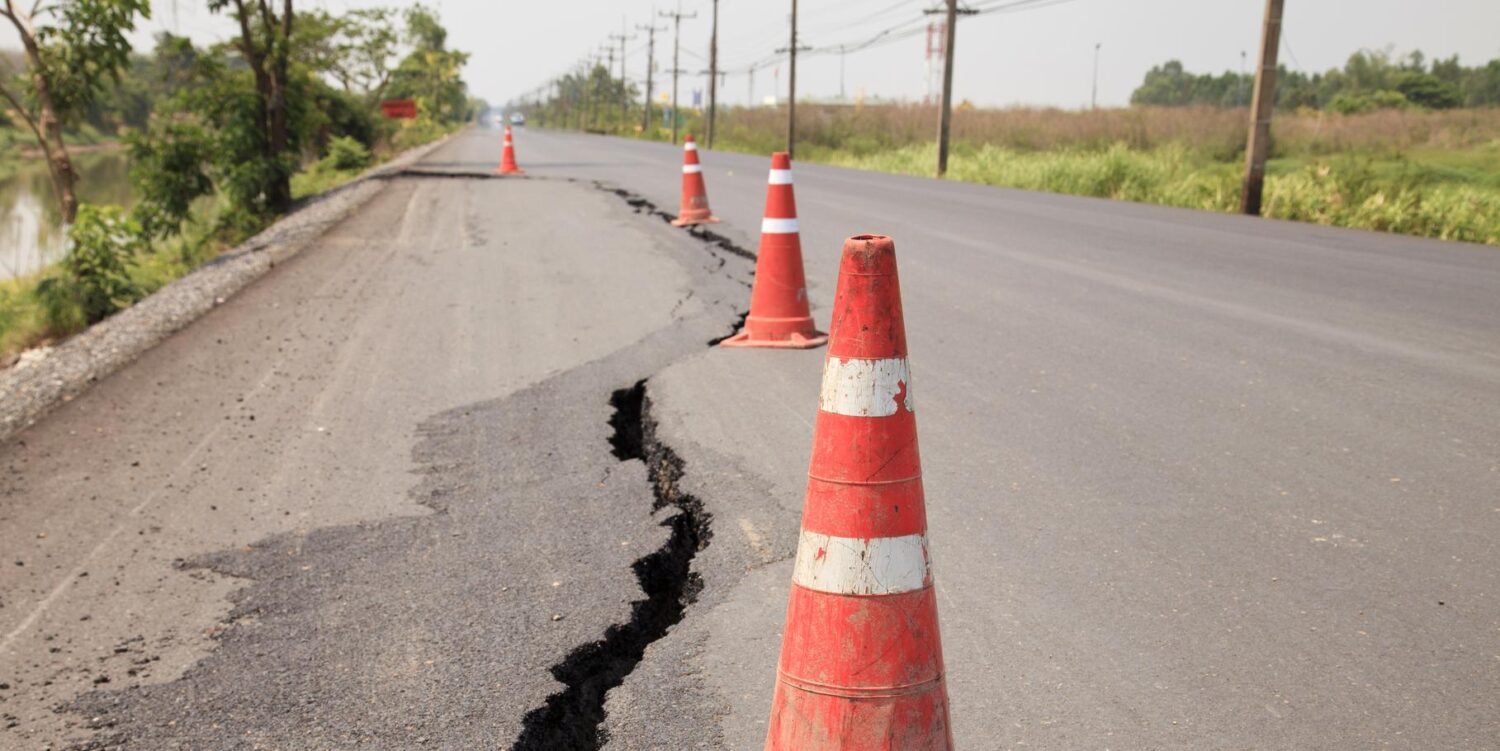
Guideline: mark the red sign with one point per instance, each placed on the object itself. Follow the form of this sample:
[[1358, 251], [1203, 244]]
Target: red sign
[[399, 109]]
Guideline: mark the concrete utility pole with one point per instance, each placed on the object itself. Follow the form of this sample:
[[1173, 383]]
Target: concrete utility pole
[[713, 75], [624, 95], [791, 97], [650, 30], [945, 114], [1094, 97], [1260, 111], [676, 17]]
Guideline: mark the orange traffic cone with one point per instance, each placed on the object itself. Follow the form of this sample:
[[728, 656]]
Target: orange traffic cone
[[861, 661], [778, 303], [508, 158], [694, 196]]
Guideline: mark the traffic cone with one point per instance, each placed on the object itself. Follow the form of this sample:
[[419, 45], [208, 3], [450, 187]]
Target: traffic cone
[[694, 196], [508, 158], [861, 661], [778, 303]]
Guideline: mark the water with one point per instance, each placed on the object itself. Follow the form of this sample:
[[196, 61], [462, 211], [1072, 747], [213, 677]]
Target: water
[[31, 234]]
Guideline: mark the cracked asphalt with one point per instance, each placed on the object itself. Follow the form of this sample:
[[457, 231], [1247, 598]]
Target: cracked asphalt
[[1194, 481]]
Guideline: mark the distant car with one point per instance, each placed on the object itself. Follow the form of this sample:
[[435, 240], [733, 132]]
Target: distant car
[[518, 119]]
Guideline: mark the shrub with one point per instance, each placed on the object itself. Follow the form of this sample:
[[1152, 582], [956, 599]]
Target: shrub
[[167, 173], [93, 280], [345, 153], [1349, 104]]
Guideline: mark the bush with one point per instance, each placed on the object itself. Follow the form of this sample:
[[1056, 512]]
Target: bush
[[167, 173], [416, 132], [345, 153], [1349, 104], [93, 281]]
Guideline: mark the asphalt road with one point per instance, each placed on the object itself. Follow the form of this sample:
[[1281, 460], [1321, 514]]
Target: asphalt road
[[1194, 481]]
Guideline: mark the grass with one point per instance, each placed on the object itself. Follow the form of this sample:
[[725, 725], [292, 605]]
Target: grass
[[1433, 174]]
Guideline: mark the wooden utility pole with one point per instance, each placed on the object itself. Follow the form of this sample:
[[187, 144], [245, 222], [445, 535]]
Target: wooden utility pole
[[945, 113], [713, 75], [1260, 111], [676, 17], [650, 30], [624, 88]]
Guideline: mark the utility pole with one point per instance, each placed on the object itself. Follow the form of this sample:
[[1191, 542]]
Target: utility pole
[[945, 113], [650, 30], [1094, 98], [791, 96], [1240, 95], [676, 17], [608, 68], [842, 51], [624, 97], [713, 75], [1260, 111]]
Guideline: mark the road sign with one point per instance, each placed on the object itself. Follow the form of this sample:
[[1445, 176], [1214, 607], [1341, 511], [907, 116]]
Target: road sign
[[399, 109]]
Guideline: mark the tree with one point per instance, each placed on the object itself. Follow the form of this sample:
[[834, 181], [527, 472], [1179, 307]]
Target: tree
[[430, 73], [73, 47], [265, 42], [356, 49], [1427, 90]]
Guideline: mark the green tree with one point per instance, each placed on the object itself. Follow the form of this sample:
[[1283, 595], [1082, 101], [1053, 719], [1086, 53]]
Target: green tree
[[357, 49], [430, 72], [73, 49], [265, 44], [1427, 90]]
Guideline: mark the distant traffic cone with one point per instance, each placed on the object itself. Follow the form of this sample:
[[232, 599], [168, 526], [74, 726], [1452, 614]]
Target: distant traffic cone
[[861, 661], [778, 303], [508, 158], [694, 195]]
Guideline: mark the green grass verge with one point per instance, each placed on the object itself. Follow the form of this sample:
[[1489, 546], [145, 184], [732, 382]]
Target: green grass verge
[[1442, 194]]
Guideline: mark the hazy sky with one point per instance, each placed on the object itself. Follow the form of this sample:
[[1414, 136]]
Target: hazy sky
[[1042, 56]]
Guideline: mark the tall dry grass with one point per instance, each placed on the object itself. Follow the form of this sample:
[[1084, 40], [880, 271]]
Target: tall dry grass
[[1218, 134]]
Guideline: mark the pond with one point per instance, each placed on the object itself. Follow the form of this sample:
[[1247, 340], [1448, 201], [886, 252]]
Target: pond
[[31, 234]]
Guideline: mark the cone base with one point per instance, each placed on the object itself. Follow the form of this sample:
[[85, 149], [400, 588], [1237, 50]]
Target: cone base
[[681, 222], [793, 341], [504, 171]]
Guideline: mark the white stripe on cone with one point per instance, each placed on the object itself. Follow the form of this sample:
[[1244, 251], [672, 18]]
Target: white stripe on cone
[[781, 177], [861, 566], [688, 169], [770, 226], [865, 388], [690, 146]]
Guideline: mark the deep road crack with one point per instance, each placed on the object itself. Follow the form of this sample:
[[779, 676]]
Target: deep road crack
[[572, 719]]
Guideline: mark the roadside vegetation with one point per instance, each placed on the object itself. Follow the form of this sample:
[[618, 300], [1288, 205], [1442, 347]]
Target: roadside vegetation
[[1384, 143], [222, 139]]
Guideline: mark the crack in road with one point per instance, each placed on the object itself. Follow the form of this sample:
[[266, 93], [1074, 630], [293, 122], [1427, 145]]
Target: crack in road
[[572, 719]]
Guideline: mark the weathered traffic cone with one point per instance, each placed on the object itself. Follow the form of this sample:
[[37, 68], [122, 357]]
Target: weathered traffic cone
[[694, 195], [778, 303], [861, 662], [508, 157]]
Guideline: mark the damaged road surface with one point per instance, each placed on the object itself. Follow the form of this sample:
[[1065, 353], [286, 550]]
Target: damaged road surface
[[400, 492]]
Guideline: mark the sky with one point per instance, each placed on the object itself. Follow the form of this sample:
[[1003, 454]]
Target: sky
[[1033, 56]]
